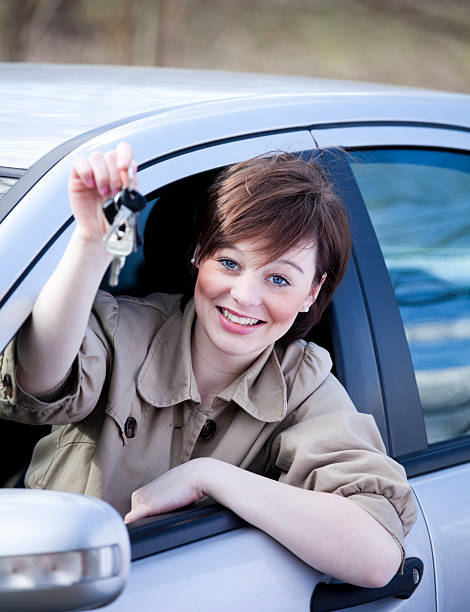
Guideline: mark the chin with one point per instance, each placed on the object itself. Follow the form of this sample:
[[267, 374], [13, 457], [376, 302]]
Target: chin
[[239, 347], [243, 345]]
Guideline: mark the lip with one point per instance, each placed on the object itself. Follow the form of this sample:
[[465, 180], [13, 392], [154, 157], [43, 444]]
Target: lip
[[237, 328], [240, 314]]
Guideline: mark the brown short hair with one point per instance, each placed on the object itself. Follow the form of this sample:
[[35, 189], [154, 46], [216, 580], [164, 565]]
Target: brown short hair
[[279, 201]]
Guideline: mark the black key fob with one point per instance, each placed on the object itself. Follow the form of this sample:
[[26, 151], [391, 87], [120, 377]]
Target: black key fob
[[110, 207]]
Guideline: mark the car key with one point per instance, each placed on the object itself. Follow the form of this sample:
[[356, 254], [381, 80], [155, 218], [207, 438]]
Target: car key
[[123, 236], [125, 205], [120, 244], [112, 205]]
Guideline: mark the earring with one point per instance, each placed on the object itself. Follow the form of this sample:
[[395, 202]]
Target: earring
[[193, 261], [305, 309]]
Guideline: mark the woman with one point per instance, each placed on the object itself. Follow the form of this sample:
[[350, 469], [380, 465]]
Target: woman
[[159, 406]]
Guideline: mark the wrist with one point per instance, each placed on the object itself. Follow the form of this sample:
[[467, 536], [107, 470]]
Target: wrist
[[213, 477], [91, 247], [206, 472]]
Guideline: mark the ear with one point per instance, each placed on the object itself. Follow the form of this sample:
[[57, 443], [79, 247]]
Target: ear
[[317, 286], [313, 294], [195, 257]]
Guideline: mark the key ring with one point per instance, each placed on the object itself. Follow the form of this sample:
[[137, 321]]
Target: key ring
[[131, 175]]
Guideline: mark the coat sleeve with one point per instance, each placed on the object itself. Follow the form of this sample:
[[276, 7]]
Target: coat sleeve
[[329, 446], [76, 396]]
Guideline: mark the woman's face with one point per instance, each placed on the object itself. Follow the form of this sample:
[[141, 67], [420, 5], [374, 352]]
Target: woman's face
[[243, 305]]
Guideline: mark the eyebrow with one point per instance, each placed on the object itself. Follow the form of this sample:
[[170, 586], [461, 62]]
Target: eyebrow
[[284, 261], [290, 263]]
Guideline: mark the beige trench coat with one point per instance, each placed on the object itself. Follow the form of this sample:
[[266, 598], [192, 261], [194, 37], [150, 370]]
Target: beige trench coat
[[130, 410]]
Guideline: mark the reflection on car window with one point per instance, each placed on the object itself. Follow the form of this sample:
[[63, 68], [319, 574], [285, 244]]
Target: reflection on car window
[[5, 183], [418, 201]]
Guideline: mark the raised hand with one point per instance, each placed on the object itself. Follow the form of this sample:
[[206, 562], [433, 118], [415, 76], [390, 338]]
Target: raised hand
[[93, 180], [49, 341]]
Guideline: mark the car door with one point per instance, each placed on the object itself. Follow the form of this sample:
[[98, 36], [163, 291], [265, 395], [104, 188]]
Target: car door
[[172, 570], [407, 190]]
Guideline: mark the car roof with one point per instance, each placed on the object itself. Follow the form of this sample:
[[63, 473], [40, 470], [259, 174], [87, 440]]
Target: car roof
[[44, 105]]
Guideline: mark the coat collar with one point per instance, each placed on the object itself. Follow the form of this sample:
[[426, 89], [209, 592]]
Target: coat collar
[[166, 377]]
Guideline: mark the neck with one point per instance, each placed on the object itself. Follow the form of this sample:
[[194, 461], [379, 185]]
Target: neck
[[213, 369]]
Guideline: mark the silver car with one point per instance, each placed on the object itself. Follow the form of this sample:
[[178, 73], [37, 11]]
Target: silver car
[[398, 328]]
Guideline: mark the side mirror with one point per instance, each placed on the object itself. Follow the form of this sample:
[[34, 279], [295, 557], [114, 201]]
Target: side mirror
[[60, 551]]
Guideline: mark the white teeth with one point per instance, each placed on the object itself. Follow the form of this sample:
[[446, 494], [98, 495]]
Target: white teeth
[[241, 320]]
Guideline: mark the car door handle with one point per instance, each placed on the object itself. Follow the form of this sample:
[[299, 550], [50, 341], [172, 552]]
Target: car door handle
[[327, 597]]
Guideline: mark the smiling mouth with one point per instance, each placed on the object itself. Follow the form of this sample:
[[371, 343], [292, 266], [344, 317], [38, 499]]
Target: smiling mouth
[[248, 321]]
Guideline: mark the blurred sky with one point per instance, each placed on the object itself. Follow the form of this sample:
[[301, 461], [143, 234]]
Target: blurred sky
[[422, 42]]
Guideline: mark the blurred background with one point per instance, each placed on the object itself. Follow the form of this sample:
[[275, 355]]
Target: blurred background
[[412, 42]]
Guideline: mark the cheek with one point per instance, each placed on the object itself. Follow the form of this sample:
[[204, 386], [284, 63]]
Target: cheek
[[209, 285], [285, 308]]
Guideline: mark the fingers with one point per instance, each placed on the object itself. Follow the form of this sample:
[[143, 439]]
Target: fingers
[[139, 507], [100, 171], [82, 171], [113, 173], [174, 489], [134, 174], [107, 173], [125, 161], [137, 513]]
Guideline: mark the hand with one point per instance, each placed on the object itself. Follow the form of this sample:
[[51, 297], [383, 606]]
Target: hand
[[176, 488], [93, 180]]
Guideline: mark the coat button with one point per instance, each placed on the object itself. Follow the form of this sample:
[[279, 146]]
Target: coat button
[[208, 430], [130, 427]]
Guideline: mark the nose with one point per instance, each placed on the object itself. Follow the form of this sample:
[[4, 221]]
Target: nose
[[246, 291]]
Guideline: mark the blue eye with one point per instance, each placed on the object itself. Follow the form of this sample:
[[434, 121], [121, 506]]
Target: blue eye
[[229, 264], [279, 281]]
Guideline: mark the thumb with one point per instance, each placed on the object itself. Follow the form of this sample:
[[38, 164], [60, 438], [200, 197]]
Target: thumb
[[137, 513], [133, 515]]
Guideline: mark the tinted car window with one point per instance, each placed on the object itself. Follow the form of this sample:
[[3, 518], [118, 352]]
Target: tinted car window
[[418, 201]]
